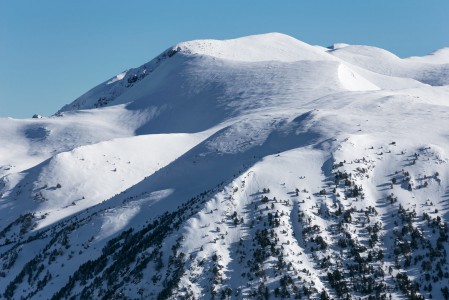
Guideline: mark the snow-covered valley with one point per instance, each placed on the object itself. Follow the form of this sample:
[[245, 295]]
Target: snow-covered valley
[[253, 168]]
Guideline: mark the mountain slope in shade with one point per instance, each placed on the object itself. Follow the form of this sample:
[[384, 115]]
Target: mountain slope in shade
[[253, 168]]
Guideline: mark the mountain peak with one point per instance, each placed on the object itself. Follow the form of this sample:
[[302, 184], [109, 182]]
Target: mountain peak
[[262, 47], [271, 47], [251, 168]]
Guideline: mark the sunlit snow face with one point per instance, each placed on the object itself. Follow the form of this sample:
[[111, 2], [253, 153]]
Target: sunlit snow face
[[233, 165]]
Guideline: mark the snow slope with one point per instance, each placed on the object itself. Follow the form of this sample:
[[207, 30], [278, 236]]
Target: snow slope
[[253, 168], [432, 69]]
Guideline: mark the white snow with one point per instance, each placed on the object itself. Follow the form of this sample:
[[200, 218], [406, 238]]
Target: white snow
[[117, 77], [352, 81], [214, 124], [432, 69], [264, 47], [440, 56]]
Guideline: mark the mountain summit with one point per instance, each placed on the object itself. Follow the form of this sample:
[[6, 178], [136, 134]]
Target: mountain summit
[[253, 168], [196, 56]]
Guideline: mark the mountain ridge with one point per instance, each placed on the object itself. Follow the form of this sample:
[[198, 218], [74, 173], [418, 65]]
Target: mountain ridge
[[259, 171]]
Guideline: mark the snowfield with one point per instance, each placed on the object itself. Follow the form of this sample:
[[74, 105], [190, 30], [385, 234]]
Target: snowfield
[[255, 168]]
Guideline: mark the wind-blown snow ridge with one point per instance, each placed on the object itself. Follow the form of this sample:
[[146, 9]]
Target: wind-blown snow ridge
[[253, 168]]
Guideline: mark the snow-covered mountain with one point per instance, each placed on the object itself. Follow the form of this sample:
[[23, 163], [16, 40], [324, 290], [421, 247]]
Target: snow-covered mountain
[[259, 167]]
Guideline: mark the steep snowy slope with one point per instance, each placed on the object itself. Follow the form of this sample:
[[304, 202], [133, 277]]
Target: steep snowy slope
[[69, 182], [253, 168]]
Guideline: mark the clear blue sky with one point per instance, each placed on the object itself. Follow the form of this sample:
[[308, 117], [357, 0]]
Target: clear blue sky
[[52, 51]]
